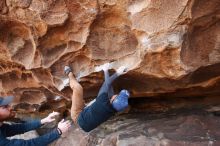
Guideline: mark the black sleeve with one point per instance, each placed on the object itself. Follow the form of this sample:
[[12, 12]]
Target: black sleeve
[[14, 129], [39, 141]]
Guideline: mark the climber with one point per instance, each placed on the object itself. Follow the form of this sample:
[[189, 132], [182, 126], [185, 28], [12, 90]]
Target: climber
[[8, 130], [103, 107]]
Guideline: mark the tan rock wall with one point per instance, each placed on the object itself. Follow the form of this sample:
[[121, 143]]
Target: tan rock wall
[[171, 47]]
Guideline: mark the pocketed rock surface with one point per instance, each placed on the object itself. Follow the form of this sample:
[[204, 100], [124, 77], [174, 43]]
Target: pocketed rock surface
[[170, 47]]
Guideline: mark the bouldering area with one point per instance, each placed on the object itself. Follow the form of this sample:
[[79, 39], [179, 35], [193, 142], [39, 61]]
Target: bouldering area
[[170, 47]]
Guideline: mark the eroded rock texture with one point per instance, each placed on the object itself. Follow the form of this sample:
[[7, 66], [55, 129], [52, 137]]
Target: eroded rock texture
[[171, 48]]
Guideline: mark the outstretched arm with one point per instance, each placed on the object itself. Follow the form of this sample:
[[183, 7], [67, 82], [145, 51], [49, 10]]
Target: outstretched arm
[[107, 85], [121, 70], [63, 127], [39, 141], [14, 129]]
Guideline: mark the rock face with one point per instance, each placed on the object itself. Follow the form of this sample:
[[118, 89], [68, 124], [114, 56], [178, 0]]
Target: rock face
[[171, 47]]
